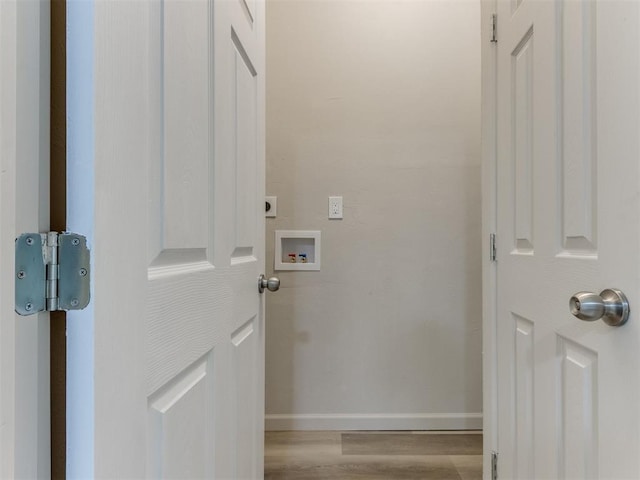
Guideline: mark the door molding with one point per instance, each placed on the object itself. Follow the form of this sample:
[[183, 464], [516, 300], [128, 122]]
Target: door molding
[[489, 226]]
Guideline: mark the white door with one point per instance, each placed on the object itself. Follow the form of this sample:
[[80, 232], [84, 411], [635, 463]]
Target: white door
[[24, 207], [568, 117], [166, 157]]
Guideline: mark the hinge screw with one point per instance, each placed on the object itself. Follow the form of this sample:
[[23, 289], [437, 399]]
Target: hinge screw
[[75, 242], [21, 274], [83, 272], [28, 307], [74, 302], [29, 241]]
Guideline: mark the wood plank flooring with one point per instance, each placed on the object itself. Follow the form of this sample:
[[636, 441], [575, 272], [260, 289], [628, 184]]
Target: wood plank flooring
[[373, 455]]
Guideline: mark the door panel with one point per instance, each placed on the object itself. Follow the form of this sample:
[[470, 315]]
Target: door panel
[[189, 124], [185, 135], [244, 117], [577, 57], [567, 222], [246, 344], [523, 385], [182, 446], [522, 81], [578, 410]]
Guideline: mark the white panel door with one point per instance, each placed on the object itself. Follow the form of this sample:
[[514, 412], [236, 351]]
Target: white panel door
[[568, 118], [24, 207], [166, 135]]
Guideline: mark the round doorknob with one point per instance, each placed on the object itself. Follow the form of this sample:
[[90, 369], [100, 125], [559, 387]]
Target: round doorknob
[[272, 284], [611, 306]]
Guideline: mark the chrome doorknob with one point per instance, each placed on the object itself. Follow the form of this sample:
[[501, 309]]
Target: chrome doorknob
[[272, 284], [611, 306]]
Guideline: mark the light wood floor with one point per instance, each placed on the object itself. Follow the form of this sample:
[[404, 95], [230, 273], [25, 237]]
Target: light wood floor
[[373, 455]]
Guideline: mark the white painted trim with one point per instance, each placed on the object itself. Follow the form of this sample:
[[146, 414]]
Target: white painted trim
[[489, 225], [374, 421]]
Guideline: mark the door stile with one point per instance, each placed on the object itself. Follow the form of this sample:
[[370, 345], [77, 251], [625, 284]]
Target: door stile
[[489, 227]]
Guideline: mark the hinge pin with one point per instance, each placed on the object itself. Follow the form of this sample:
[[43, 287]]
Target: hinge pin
[[494, 28], [494, 465], [53, 272], [493, 253]]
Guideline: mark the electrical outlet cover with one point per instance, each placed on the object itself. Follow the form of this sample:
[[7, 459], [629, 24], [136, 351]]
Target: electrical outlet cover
[[335, 207], [271, 206]]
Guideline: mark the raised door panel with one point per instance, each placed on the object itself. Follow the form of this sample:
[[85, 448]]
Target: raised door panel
[[181, 447], [524, 347], [576, 75], [578, 410], [246, 342], [185, 114], [245, 151], [522, 73]]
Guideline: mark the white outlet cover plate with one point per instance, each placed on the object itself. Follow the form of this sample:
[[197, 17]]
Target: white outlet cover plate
[[335, 207], [273, 201]]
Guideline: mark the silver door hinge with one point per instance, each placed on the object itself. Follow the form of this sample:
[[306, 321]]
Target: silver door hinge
[[52, 272], [492, 247], [494, 465], [494, 28]]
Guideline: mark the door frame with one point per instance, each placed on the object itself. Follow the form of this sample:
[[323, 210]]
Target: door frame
[[24, 207], [489, 226]]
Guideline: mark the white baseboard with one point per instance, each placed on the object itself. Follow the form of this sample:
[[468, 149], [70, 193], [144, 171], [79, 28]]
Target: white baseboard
[[381, 421]]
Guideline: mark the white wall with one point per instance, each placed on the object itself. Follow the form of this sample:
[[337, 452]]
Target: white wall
[[378, 101]]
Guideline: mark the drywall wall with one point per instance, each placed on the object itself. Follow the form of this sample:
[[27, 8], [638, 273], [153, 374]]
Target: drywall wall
[[377, 101]]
